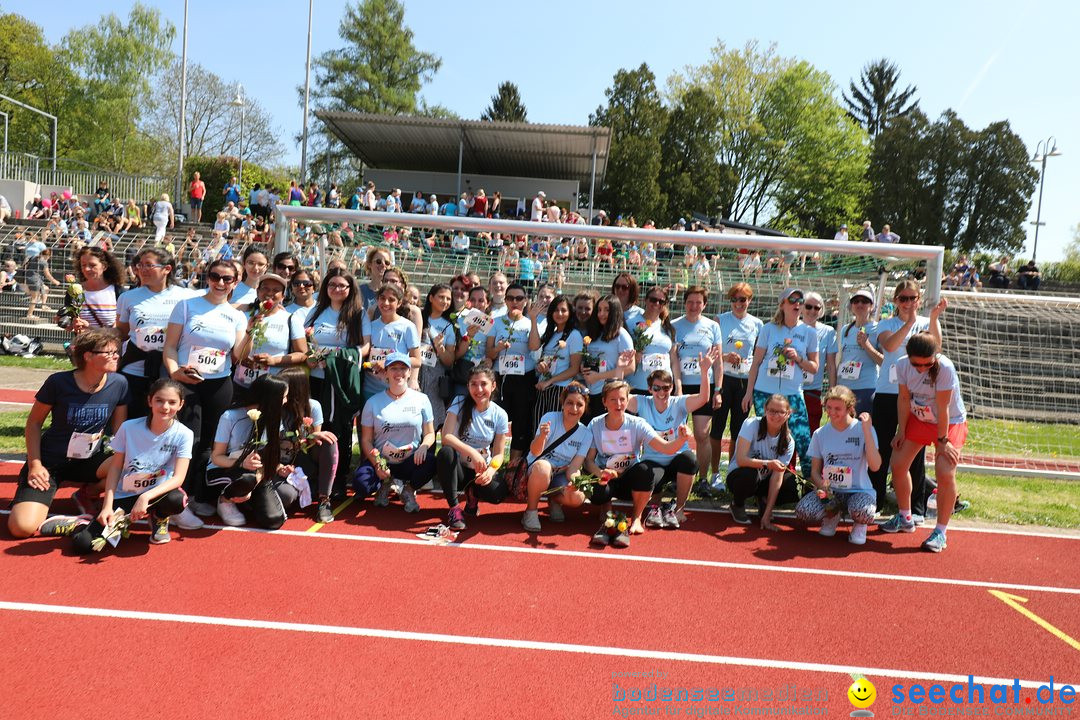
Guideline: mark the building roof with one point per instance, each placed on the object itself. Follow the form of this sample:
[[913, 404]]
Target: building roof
[[401, 142]]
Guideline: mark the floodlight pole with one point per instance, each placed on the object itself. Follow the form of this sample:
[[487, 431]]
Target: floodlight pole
[[307, 92], [592, 180], [39, 112], [1049, 149], [183, 111]]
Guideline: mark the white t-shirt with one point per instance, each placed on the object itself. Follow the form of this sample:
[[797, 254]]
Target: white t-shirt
[[619, 449], [924, 390], [149, 459], [764, 449], [843, 456]]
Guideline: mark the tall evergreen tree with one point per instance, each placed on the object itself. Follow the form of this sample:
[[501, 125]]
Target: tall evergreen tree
[[876, 101], [506, 105]]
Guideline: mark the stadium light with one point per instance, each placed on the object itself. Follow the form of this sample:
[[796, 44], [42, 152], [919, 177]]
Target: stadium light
[[238, 101], [1049, 149]]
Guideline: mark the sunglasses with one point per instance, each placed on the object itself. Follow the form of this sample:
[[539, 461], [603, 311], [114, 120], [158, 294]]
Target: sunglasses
[[661, 388], [571, 390], [515, 298], [658, 301], [907, 298], [740, 300], [922, 364], [861, 301], [795, 300], [302, 283], [812, 307], [287, 268], [227, 279]]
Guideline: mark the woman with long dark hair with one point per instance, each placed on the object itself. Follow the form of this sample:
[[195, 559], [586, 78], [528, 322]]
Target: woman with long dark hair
[[606, 340], [560, 346], [439, 349], [305, 446], [515, 367], [255, 264], [759, 467], [102, 279]]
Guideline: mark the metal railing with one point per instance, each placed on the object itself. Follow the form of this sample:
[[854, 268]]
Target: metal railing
[[30, 168]]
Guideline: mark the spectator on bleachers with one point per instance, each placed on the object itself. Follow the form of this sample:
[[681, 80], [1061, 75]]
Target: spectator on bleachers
[[999, 273], [867, 233], [5, 209], [1027, 277], [131, 218], [369, 196], [538, 207], [417, 205], [163, 217], [314, 195], [36, 209], [479, 205], [8, 280], [296, 194], [231, 191], [887, 235], [102, 197], [36, 272], [842, 233], [196, 193], [495, 206]]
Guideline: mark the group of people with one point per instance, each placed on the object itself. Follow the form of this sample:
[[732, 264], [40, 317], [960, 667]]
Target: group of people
[[241, 400]]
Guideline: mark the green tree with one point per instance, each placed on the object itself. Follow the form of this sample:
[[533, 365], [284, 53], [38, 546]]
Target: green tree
[[876, 101], [506, 105], [637, 118], [690, 174]]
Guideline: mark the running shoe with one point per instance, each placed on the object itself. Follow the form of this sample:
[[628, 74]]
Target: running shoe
[[919, 520], [382, 496], [960, 505], [408, 498], [531, 520], [858, 534], [86, 505], [936, 541], [653, 517], [472, 503], [897, 524], [324, 512], [188, 520], [202, 509], [829, 525], [159, 534], [229, 513], [738, 514], [455, 520], [622, 540], [667, 513], [63, 525], [600, 538], [555, 512], [704, 490], [717, 484]]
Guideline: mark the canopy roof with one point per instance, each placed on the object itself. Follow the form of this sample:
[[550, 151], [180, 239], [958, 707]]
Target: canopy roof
[[402, 142]]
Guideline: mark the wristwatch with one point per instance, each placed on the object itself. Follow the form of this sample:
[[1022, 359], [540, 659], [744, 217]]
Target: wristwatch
[[943, 439]]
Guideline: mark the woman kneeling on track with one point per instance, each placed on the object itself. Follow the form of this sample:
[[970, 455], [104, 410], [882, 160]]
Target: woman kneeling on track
[[145, 475], [666, 414], [306, 447], [242, 449], [617, 442], [473, 442], [842, 452], [759, 467], [931, 412], [397, 432], [83, 402], [556, 453]]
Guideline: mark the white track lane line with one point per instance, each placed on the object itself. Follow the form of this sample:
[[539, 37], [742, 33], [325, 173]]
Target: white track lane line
[[509, 643]]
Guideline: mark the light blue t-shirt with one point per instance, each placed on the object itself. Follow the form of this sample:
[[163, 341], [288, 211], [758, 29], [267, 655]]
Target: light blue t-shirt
[[774, 375], [209, 327], [243, 294], [843, 456], [560, 362], [517, 358], [743, 330], [574, 446], [666, 423], [693, 339], [147, 313], [399, 335], [293, 308], [826, 337], [632, 316], [655, 356], [855, 368], [483, 426], [397, 424], [764, 449], [233, 429], [437, 326], [278, 339], [619, 449], [526, 268], [477, 345], [886, 381], [325, 331], [608, 353], [149, 459], [924, 390]]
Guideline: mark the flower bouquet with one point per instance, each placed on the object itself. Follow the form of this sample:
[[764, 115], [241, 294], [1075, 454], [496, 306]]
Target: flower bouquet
[[74, 301], [641, 336], [615, 523], [316, 355], [781, 359], [588, 360], [547, 361], [257, 326], [303, 438]]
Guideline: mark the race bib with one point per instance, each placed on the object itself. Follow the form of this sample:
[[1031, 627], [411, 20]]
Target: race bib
[[690, 366], [655, 361], [616, 442], [378, 355], [740, 368], [393, 454], [244, 375], [839, 477], [807, 378], [208, 361], [149, 339], [619, 463], [850, 370], [603, 367], [511, 364], [784, 373], [892, 374], [479, 320], [427, 356], [923, 412], [140, 482], [83, 445]]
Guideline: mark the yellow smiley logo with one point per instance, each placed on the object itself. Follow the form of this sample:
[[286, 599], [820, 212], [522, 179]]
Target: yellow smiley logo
[[862, 693]]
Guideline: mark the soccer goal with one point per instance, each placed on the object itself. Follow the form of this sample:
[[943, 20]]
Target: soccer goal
[[1007, 349]]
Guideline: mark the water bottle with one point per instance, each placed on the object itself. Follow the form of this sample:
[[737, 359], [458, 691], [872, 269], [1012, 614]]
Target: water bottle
[[931, 503]]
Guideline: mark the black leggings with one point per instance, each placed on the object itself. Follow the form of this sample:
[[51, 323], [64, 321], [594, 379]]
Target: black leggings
[[639, 477], [685, 463], [885, 425], [746, 483], [171, 503], [342, 427], [268, 505], [204, 404], [452, 474], [231, 483], [731, 395], [517, 395]]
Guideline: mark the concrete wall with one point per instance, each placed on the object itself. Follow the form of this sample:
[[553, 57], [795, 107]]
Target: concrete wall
[[20, 193], [564, 192]]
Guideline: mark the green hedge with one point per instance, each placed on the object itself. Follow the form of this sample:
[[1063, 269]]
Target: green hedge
[[216, 171]]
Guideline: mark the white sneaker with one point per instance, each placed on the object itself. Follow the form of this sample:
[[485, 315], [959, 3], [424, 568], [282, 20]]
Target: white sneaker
[[229, 513], [202, 509], [555, 512], [531, 520], [829, 525], [188, 520], [858, 534]]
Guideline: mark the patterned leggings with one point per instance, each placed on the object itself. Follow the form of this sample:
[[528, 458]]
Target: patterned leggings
[[860, 506], [798, 423]]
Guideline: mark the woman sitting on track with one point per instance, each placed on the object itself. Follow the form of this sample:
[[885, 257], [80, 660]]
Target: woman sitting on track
[[785, 349], [661, 353], [931, 412], [560, 346], [556, 453], [759, 467], [608, 340], [666, 414], [617, 443], [247, 451], [473, 441], [842, 451], [397, 434], [319, 461], [151, 459], [84, 404], [515, 367], [387, 334]]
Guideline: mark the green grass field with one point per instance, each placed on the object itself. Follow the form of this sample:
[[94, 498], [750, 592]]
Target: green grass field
[[42, 362], [1004, 437]]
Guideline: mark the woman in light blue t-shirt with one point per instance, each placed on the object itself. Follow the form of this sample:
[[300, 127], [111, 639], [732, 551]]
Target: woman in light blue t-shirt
[[550, 465]]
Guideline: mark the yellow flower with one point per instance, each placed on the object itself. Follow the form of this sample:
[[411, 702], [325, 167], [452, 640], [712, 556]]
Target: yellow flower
[[622, 526], [367, 366], [254, 415], [738, 344], [75, 289], [586, 340], [496, 462]]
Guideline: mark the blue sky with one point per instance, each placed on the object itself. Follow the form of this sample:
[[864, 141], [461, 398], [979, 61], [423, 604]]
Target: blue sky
[[987, 60]]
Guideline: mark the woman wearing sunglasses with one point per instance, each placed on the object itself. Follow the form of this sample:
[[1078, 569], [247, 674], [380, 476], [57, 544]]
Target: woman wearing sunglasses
[[661, 353], [785, 349], [892, 338], [556, 453], [202, 341], [376, 263], [739, 330], [931, 412], [515, 367], [857, 367], [813, 307], [625, 287], [302, 290]]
